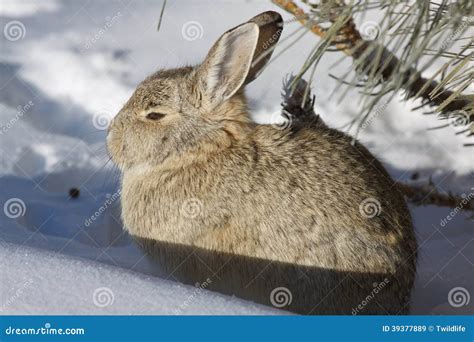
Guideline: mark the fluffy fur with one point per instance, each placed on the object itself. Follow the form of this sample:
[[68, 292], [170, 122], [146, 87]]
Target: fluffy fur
[[254, 207]]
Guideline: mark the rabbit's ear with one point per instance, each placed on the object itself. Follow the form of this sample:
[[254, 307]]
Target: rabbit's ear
[[227, 65], [270, 25]]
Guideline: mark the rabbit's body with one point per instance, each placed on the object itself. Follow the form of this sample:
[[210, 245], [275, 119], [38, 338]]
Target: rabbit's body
[[275, 196], [244, 199], [306, 189]]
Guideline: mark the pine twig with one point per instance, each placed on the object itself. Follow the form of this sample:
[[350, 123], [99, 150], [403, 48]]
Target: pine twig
[[355, 46], [161, 15]]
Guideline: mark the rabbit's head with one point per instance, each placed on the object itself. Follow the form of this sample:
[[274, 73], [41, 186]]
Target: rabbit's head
[[176, 110]]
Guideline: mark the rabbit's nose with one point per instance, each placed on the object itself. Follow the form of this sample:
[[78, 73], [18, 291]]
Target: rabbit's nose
[[109, 127], [109, 134]]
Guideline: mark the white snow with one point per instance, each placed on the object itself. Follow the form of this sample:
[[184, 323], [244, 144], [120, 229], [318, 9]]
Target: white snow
[[75, 66], [74, 286]]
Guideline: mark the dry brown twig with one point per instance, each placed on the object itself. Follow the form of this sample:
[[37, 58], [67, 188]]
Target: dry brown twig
[[428, 194]]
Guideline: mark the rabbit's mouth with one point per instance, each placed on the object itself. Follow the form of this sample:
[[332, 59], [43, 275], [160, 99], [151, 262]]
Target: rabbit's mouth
[[115, 149]]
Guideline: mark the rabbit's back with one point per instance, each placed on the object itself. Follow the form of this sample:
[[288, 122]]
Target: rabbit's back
[[308, 198], [313, 198]]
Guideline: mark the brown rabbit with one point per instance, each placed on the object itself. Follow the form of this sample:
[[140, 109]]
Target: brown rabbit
[[301, 219]]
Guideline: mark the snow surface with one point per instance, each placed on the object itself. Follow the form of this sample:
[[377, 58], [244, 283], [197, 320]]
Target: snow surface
[[73, 69]]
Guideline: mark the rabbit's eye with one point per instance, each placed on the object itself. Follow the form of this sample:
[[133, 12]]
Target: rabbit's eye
[[155, 116]]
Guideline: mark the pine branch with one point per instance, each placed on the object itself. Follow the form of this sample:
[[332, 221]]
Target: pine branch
[[349, 40]]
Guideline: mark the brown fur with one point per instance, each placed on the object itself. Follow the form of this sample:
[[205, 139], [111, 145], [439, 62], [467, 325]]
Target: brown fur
[[269, 201]]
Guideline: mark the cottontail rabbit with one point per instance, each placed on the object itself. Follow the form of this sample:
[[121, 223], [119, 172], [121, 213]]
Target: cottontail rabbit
[[303, 220]]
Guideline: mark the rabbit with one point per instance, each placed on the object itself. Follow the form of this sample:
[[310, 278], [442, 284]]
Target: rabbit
[[303, 220]]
